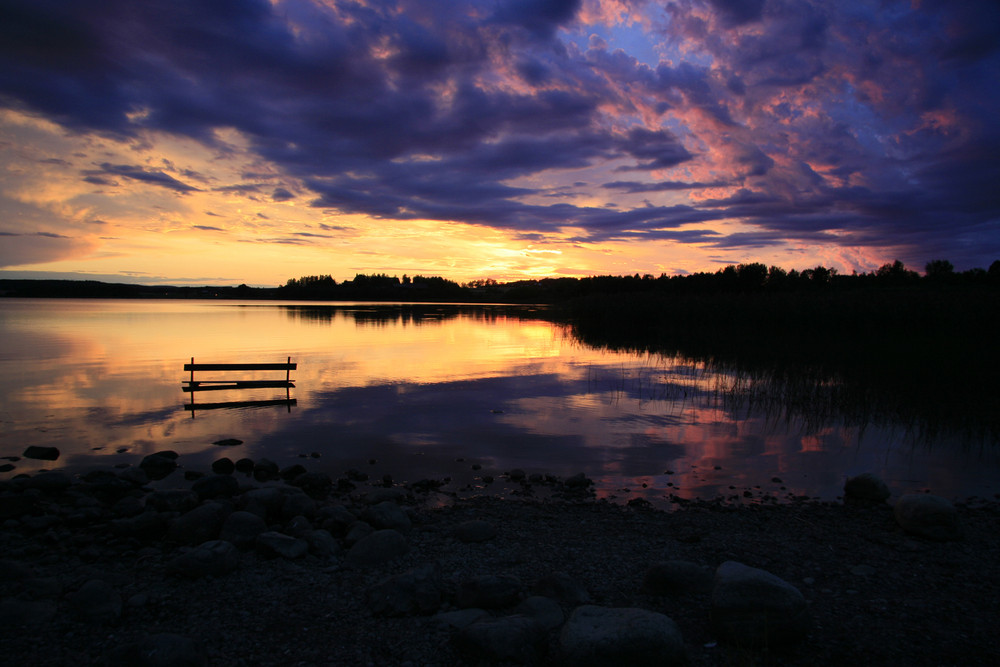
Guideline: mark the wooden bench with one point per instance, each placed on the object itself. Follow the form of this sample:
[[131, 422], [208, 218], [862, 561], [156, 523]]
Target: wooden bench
[[193, 385]]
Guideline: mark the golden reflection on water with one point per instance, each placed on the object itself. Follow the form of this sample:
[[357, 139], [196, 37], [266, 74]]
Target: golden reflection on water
[[423, 390]]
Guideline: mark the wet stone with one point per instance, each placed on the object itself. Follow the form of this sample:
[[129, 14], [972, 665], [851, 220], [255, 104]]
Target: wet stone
[[41, 453]]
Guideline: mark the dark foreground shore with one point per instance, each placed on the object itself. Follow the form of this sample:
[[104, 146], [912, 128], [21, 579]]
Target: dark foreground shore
[[242, 571]]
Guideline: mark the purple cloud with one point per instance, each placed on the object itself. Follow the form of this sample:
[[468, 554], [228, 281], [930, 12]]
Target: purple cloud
[[855, 123]]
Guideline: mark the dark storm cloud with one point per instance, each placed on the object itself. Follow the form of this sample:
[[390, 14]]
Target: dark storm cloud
[[137, 173], [877, 119]]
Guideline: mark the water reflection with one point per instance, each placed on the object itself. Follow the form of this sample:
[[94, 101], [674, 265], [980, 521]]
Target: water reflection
[[426, 391]]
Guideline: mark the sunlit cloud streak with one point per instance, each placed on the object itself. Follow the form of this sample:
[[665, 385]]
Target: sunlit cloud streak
[[765, 123]]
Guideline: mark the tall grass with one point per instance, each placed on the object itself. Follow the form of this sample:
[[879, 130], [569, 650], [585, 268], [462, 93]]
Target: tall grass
[[926, 357]]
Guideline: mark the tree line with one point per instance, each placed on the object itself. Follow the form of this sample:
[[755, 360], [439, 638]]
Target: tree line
[[740, 278]]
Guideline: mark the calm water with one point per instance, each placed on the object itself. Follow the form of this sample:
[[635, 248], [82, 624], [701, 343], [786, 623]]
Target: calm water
[[424, 392]]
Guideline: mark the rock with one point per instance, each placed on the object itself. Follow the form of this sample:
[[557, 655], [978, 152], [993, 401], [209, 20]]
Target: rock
[[291, 472], [228, 442], [242, 528], [161, 650], [516, 639], [359, 530], [172, 500], [299, 526], [562, 587], [317, 485], [216, 486], [387, 514], [201, 524], [578, 481], [630, 636], [41, 453], [677, 576], [128, 506], [209, 559], [474, 531], [516, 475], [16, 506], [273, 544], [376, 496], [223, 466], [322, 544], [159, 465], [488, 591], [337, 519], [135, 476], [866, 487], [97, 602], [298, 504], [265, 503], [148, 525], [928, 516], [244, 465], [545, 611], [461, 618], [419, 591], [264, 470], [752, 607], [381, 546], [52, 483], [15, 613]]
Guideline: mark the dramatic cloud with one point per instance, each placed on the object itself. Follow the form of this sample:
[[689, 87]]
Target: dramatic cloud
[[861, 125]]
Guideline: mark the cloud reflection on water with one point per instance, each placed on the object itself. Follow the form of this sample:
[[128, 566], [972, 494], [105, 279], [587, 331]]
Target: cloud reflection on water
[[425, 397]]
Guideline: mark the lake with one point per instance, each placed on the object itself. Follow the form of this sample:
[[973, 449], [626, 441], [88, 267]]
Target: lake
[[422, 391]]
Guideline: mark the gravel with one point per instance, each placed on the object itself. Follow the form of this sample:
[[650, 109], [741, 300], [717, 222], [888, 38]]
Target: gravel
[[876, 595]]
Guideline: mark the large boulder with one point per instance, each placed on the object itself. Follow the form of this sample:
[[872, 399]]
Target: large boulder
[[752, 607], [621, 636], [928, 516], [866, 487]]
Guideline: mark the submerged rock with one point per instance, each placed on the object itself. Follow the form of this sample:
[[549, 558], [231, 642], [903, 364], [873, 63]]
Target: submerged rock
[[41, 453]]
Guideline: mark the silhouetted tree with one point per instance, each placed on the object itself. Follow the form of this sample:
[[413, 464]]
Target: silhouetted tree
[[939, 269]]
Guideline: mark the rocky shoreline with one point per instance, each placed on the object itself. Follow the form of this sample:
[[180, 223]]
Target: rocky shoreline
[[252, 565]]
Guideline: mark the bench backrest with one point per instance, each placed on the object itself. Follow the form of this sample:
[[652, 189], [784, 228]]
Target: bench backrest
[[291, 366]]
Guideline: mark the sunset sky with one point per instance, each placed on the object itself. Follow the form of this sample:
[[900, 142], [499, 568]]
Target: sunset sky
[[248, 141]]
